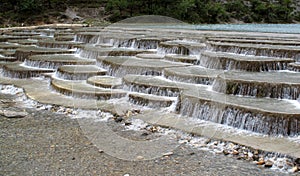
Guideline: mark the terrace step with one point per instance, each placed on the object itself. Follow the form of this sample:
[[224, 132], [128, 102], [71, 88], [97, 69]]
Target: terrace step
[[59, 44], [284, 85], [105, 82], [256, 41], [257, 49], [93, 52], [25, 52], [80, 89], [294, 66], [19, 70], [180, 47], [56, 60], [151, 101], [152, 85], [261, 115], [79, 72], [24, 42], [192, 74], [150, 56], [7, 59], [191, 59], [120, 66], [230, 61]]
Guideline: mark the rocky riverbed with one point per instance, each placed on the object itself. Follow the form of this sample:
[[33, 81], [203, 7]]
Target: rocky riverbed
[[49, 140]]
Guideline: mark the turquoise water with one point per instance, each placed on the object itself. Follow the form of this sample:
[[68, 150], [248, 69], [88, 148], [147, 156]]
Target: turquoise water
[[277, 28], [271, 28]]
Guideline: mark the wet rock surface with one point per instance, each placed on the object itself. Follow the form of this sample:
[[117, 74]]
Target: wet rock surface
[[48, 143]]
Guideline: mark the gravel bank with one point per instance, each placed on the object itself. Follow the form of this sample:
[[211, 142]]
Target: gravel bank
[[47, 143]]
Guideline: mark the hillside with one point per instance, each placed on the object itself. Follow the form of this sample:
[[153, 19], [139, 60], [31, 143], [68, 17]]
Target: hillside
[[94, 12]]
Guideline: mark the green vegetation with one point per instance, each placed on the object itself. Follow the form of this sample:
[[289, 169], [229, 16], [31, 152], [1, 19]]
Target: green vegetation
[[207, 11], [192, 11]]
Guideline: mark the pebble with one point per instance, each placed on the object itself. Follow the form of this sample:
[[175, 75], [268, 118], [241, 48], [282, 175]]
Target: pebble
[[129, 114], [226, 152], [260, 162], [250, 155], [168, 154], [295, 169], [235, 152], [127, 123], [118, 119], [269, 163], [139, 157]]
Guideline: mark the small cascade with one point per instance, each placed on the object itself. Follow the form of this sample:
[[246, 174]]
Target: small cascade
[[150, 101], [171, 49], [78, 72], [86, 38], [241, 118], [47, 32], [228, 61], [148, 89], [121, 70], [56, 44], [20, 71], [233, 83], [256, 50], [145, 43]]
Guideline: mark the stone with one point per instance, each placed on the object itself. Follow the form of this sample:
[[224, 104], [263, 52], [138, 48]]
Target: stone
[[118, 119], [297, 161], [295, 169], [13, 114], [226, 152], [250, 154], [139, 157], [168, 154], [129, 114], [261, 161], [255, 157], [235, 152], [127, 123], [269, 163]]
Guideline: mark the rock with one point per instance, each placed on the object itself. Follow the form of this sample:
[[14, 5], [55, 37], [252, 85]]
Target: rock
[[168, 154], [225, 152], [126, 175], [127, 123], [295, 169], [145, 134], [297, 161], [118, 119], [250, 155], [153, 129], [256, 152], [136, 111], [129, 114], [235, 152], [261, 161], [13, 114], [255, 157], [269, 163], [192, 153], [139, 157]]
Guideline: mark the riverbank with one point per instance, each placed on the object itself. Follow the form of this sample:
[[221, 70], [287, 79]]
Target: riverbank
[[49, 143]]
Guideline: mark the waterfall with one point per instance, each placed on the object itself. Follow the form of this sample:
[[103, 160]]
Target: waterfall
[[241, 118]]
